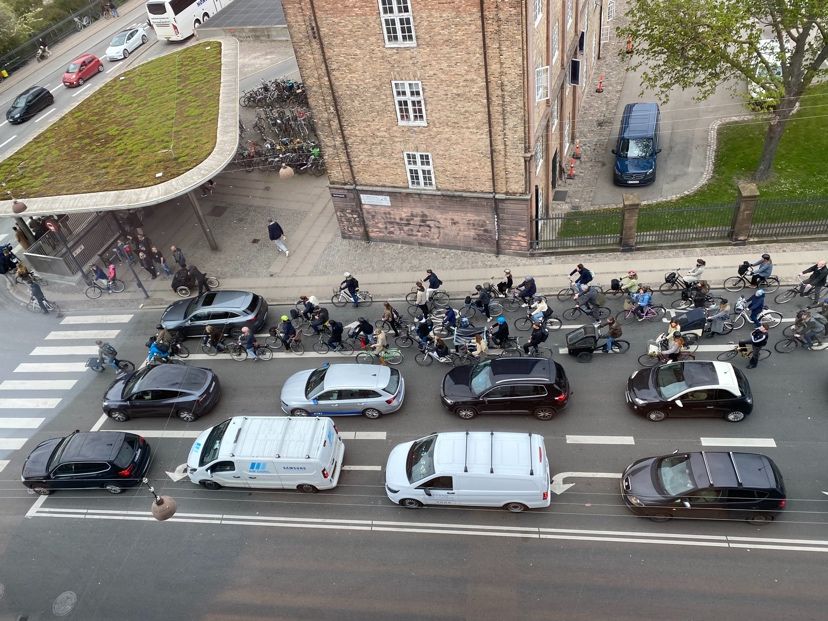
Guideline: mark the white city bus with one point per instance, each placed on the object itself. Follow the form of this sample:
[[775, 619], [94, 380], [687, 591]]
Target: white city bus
[[175, 20]]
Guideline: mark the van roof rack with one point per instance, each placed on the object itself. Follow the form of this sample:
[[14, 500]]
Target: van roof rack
[[736, 469], [466, 456], [531, 468]]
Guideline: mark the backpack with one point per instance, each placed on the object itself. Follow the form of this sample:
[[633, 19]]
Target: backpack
[[108, 350]]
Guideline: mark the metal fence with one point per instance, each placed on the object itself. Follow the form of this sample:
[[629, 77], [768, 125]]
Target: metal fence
[[783, 218], [600, 228], [665, 224]]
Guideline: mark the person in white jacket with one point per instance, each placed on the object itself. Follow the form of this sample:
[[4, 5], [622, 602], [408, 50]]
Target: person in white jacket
[[695, 273]]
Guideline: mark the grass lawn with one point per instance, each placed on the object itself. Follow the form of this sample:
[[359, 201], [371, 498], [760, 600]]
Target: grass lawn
[[799, 172], [158, 117]]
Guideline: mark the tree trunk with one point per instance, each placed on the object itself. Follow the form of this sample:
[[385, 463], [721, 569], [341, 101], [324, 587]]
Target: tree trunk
[[776, 128]]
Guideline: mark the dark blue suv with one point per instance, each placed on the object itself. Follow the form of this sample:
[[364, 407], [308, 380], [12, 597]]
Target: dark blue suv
[[638, 145]]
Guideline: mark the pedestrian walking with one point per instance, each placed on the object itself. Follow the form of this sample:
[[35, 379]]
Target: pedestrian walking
[[198, 278], [37, 294], [277, 236], [178, 257], [112, 8], [158, 258], [21, 238], [147, 264]]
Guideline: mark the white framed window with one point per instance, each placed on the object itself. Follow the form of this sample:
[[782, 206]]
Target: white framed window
[[538, 11], [420, 170], [541, 83], [540, 147], [556, 43], [397, 23], [408, 100], [570, 13]]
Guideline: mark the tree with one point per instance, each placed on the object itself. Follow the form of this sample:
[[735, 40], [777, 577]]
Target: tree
[[702, 44], [8, 22]]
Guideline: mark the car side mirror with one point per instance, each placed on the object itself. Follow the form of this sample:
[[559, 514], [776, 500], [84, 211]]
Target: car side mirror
[[316, 401], [679, 403], [686, 503]]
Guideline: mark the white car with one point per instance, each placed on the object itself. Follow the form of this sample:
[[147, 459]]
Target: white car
[[125, 42]]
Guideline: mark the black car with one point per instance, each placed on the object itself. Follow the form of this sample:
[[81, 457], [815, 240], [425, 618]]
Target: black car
[[506, 386], [691, 388], [163, 390], [717, 485], [28, 103], [112, 460], [231, 310]]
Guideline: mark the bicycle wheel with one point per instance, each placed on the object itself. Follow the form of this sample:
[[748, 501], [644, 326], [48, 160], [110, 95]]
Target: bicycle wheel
[[691, 342], [495, 309], [601, 312], [523, 323], [553, 323], [727, 327], [659, 311], [738, 321], [404, 341], [297, 347], [571, 313], [411, 298], [321, 347], [237, 352], [338, 300], [646, 360], [511, 303], [93, 292], [345, 349], [620, 346], [423, 359], [786, 346], [469, 312], [209, 349], [440, 298], [414, 311], [118, 286], [274, 342], [564, 294], [126, 365], [264, 353], [381, 324], [730, 354], [786, 296], [393, 356], [625, 316], [788, 332], [440, 331], [668, 288], [771, 284], [183, 291], [365, 357], [307, 330], [681, 304], [734, 283], [764, 353], [212, 282], [365, 298], [181, 350], [772, 318]]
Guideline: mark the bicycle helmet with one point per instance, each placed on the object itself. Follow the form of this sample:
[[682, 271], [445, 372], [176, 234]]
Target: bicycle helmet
[[507, 271], [766, 257], [529, 278], [701, 262], [478, 288], [501, 319], [284, 318], [760, 292], [347, 274]]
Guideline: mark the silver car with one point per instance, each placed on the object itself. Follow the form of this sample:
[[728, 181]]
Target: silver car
[[344, 390]]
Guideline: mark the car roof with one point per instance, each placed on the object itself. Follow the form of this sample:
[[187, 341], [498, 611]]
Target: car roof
[[225, 299], [31, 89], [93, 445], [705, 374], [166, 376], [83, 57], [731, 469], [356, 376], [510, 369]]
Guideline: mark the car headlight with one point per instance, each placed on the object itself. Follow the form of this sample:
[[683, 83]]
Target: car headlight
[[638, 401], [635, 501]]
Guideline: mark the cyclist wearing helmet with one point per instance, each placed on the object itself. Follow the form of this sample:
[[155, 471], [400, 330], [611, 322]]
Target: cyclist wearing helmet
[[527, 290], [351, 285], [248, 340], [763, 268], [695, 273], [756, 304], [286, 331], [504, 285], [629, 283], [500, 332]]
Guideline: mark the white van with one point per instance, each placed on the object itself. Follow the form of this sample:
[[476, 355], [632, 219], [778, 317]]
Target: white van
[[480, 468], [763, 94], [268, 452]]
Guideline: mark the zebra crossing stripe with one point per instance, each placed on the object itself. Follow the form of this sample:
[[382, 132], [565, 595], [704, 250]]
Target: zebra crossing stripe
[[81, 319], [37, 384], [50, 367], [82, 334], [31, 403], [21, 423], [69, 350], [12, 444]]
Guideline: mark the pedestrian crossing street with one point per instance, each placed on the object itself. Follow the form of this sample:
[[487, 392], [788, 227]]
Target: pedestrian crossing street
[[37, 386]]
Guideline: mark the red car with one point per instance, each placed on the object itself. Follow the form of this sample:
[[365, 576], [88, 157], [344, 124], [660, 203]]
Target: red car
[[81, 69]]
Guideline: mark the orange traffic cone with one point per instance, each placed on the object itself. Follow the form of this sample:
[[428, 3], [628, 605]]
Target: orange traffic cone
[[600, 87], [577, 155], [629, 44], [571, 173]]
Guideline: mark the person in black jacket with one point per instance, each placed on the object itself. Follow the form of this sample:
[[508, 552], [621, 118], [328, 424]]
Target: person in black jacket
[[818, 275], [364, 327], [350, 284], [758, 339], [336, 334], [277, 236], [198, 278], [500, 332], [320, 318], [504, 285], [484, 298], [584, 275], [537, 337]]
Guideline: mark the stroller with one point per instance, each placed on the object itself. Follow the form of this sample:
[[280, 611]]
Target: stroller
[[692, 324], [465, 333]]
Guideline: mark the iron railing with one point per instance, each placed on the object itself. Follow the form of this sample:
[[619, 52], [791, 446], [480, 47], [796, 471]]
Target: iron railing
[[665, 224], [782, 218], [600, 228]]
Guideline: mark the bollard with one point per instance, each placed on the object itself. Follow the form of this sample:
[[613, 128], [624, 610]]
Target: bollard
[[571, 173], [577, 154], [600, 87]]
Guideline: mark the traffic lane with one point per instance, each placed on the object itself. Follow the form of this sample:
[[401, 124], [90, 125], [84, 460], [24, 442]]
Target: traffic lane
[[169, 570]]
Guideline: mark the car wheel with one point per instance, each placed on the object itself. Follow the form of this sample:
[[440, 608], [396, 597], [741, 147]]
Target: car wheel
[[656, 415], [41, 491], [210, 485], [760, 518], [307, 488], [466, 413], [119, 416], [372, 413], [80, 81], [100, 68], [662, 517], [735, 416], [299, 412], [515, 507], [545, 413], [186, 415], [125, 54], [584, 356], [410, 503], [144, 38], [113, 489]]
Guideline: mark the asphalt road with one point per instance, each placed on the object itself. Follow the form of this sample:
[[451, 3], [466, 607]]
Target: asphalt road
[[350, 553]]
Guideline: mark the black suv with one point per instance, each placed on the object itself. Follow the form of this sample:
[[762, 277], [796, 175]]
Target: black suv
[[717, 485], [506, 386]]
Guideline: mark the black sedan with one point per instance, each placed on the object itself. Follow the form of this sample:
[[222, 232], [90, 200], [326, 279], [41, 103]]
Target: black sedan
[[28, 103], [691, 388], [111, 460], [163, 390], [230, 310]]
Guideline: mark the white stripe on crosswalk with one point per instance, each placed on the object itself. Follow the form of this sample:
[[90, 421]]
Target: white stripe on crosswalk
[[81, 334], [12, 444], [32, 403], [600, 439], [372, 468], [21, 423], [68, 350], [77, 319], [362, 435], [759, 442], [3, 464], [37, 384], [50, 367]]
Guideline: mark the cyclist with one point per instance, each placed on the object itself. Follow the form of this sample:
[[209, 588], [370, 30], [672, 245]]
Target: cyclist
[[422, 297], [433, 283], [504, 285], [756, 304], [676, 345], [527, 290], [758, 339], [351, 285], [309, 305], [37, 294], [212, 336], [818, 275], [392, 316], [99, 274], [819, 313], [537, 337], [643, 299], [484, 298], [319, 319], [424, 328], [380, 345], [763, 268], [164, 336], [584, 276], [107, 354], [586, 298], [806, 327], [718, 319], [481, 347], [500, 332], [539, 309], [694, 274], [248, 341], [631, 283], [157, 353], [111, 275], [450, 320], [336, 334], [363, 327], [613, 332], [441, 351]]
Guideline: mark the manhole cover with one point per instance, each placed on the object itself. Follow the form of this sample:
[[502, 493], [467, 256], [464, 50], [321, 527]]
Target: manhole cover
[[64, 603], [255, 240], [559, 196], [217, 211]]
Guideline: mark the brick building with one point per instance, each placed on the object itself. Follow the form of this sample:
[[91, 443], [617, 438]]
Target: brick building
[[444, 122]]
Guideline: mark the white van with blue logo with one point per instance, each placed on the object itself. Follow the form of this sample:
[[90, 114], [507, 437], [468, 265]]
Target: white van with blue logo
[[268, 452]]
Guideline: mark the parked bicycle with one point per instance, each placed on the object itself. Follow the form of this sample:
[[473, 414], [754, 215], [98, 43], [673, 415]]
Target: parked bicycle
[[390, 355], [742, 314], [341, 297], [798, 290], [82, 22], [742, 350], [94, 291], [742, 280]]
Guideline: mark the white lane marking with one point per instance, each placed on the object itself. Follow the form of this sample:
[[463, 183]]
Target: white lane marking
[[69, 350], [99, 423], [43, 116], [559, 487], [765, 442], [3, 123], [3, 235], [3, 464], [371, 468], [362, 435], [76, 319], [80, 90], [35, 506], [600, 439], [7, 141], [21, 423], [81, 334], [161, 433], [51, 367], [37, 384], [12, 444], [28, 404], [112, 68]]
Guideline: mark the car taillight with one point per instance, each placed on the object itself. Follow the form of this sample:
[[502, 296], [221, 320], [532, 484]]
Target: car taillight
[[390, 401], [561, 398], [127, 472], [546, 495], [324, 473], [782, 503]]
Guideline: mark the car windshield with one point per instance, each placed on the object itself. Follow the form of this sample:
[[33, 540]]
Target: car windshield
[[315, 381], [72, 68], [481, 378], [54, 458], [636, 147], [119, 39], [19, 102], [675, 474], [393, 382], [420, 461], [673, 379], [132, 384], [125, 453], [212, 444]]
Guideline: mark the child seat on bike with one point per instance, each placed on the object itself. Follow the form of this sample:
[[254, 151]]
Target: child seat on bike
[[583, 339]]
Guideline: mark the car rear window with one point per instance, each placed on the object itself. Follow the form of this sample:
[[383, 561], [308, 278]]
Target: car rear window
[[393, 382], [125, 453], [254, 303]]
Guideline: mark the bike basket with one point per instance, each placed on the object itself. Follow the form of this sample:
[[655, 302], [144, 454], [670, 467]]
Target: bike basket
[[743, 268], [615, 284], [652, 348], [671, 278]]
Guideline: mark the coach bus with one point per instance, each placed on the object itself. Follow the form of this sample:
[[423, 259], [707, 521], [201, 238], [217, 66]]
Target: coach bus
[[176, 20]]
